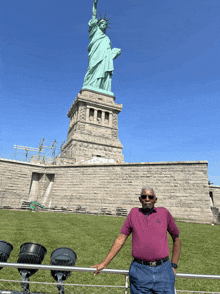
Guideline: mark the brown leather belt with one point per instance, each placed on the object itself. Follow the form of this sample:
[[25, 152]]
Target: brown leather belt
[[152, 263]]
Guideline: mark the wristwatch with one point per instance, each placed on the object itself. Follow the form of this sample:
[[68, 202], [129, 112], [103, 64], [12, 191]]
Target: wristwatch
[[174, 265]]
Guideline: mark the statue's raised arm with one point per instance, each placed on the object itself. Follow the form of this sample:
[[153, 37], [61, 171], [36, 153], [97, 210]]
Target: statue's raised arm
[[101, 55], [94, 9]]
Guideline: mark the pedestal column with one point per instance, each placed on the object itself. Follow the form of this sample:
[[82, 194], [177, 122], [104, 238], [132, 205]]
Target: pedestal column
[[95, 114], [103, 118], [110, 119]]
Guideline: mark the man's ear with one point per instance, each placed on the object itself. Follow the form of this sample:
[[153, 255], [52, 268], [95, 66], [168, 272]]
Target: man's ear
[[155, 200], [140, 199]]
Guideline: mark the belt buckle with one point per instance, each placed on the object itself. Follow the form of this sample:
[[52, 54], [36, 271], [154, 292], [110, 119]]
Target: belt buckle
[[153, 263]]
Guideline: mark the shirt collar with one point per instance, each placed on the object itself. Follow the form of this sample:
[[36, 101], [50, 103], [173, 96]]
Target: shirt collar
[[152, 210]]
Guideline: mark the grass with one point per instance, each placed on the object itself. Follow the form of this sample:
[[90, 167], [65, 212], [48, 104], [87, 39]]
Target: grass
[[91, 237]]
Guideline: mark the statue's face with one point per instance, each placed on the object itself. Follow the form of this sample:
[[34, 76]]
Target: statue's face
[[103, 25]]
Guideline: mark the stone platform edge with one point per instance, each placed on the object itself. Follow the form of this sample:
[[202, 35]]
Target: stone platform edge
[[106, 164]]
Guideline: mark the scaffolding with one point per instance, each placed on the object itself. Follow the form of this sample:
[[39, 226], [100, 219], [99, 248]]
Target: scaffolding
[[45, 152]]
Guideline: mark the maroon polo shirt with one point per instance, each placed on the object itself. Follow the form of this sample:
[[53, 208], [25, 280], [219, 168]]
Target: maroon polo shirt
[[149, 233]]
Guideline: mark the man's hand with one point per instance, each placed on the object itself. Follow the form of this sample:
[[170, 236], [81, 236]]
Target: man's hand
[[176, 250], [174, 270], [117, 245], [99, 266]]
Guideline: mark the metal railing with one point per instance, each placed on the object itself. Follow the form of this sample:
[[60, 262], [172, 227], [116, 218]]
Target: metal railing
[[86, 287]]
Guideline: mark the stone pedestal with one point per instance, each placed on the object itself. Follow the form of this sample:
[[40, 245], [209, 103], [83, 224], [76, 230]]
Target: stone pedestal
[[93, 129]]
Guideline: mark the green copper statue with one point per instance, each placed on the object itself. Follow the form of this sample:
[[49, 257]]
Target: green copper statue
[[101, 55]]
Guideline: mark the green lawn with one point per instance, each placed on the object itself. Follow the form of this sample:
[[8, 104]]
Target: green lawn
[[91, 238]]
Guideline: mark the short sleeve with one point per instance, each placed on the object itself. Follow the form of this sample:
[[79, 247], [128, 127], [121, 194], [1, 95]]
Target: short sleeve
[[126, 228], [171, 225]]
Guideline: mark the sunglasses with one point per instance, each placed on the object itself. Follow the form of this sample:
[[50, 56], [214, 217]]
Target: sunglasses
[[151, 197]]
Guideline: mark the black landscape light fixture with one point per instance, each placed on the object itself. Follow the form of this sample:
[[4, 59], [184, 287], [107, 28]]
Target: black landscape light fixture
[[62, 256], [5, 251], [32, 253]]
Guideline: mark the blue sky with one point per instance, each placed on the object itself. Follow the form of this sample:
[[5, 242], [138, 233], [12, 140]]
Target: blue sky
[[167, 77]]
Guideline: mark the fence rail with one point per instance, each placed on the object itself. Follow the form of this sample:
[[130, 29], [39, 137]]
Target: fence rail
[[91, 270], [11, 286]]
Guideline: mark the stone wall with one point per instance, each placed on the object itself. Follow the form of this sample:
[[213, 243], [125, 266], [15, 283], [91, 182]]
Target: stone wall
[[216, 195], [93, 129], [15, 181], [181, 187], [214, 192]]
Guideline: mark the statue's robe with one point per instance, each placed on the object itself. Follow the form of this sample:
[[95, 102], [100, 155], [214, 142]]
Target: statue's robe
[[101, 57]]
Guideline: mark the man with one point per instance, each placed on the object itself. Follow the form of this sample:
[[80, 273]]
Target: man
[[151, 270]]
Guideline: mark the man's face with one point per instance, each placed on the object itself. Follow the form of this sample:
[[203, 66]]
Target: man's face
[[148, 204]]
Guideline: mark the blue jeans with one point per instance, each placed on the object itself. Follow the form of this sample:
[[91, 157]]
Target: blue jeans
[[146, 279]]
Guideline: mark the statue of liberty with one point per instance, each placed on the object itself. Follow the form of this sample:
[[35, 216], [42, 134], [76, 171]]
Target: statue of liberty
[[101, 55]]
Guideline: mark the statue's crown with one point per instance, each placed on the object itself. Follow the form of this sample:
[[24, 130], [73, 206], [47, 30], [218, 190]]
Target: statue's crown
[[104, 19]]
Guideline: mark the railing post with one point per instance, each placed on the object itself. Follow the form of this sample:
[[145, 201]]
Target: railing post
[[126, 284]]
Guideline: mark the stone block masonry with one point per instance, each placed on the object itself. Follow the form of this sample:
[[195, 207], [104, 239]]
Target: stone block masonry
[[181, 187], [15, 181], [93, 129], [214, 193]]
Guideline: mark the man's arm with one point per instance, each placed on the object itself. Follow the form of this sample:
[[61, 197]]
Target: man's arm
[[94, 10], [117, 245], [176, 250]]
